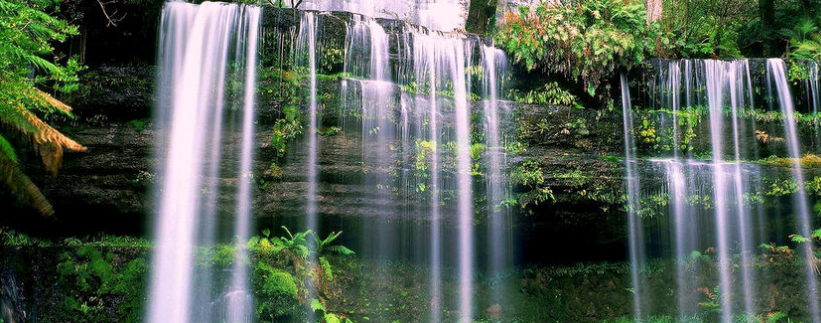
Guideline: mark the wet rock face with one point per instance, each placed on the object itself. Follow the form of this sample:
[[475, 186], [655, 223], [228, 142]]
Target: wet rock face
[[104, 189], [114, 93]]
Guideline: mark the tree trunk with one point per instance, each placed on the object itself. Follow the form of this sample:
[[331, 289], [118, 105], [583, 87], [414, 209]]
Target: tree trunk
[[654, 8], [808, 8], [766, 10]]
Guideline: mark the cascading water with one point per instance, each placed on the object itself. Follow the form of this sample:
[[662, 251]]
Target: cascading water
[[813, 86], [714, 205], [445, 15], [407, 95], [399, 128], [493, 64], [195, 54], [634, 222], [777, 70]]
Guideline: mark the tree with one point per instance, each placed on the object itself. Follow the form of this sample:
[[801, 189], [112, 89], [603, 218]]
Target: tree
[[766, 11], [654, 9], [26, 34]]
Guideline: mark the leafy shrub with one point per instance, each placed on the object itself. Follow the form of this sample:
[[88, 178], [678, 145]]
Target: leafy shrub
[[706, 28], [551, 93], [589, 40], [286, 129], [805, 40], [529, 174]]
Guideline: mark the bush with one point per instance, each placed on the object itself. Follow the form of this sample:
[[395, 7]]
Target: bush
[[587, 41], [706, 28]]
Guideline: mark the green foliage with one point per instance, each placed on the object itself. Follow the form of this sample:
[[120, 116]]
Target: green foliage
[[706, 28], [324, 316], [783, 187], [588, 40], [424, 152], [27, 32], [529, 174], [808, 161], [329, 131], [276, 294], [551, 94], [324, 246], [92, 280], [139, 124], [805, 40], [306, 253], [286, 129]]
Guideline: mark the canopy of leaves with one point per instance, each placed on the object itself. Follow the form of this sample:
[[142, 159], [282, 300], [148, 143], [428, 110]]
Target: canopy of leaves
[[707, 28], [588, 40], [26, 35]]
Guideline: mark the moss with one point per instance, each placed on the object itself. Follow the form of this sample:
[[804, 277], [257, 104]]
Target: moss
[[276, 294], [139, 124], [808, 161]]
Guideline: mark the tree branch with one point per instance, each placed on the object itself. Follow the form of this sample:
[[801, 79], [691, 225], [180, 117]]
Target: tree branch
[[112, 21]]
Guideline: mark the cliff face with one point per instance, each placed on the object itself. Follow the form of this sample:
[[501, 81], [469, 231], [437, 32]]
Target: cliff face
[[110, 187]]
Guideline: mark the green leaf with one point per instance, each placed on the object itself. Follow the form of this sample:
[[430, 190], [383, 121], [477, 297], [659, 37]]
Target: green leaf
[[797, 238], [342, 250], [316, 305]]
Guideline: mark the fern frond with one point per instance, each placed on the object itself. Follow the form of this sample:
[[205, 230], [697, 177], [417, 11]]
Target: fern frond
[[7, 150], [21, 186], [49, 142], [52, 102]]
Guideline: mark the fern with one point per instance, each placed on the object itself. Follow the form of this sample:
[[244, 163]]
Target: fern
[[26, 35], [7, 151], [805, 40]]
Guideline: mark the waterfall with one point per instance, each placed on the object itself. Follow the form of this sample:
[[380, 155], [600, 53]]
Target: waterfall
[[729, 187], [777, 70], [444, 15], [494, 64], [710, 187], [196, 56], [427, 124], [305, 56], [406, 99], [634, 221]]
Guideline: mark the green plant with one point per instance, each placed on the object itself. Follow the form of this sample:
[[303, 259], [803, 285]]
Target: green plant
[[139, 124], [307, 254], [551, 94], [529, 174], [326, 317], [92, 279], [329, 131], [323, 247], [586, 40], [286, 129], [705, 28], [276, 294], [805, 40], [27, 32]]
